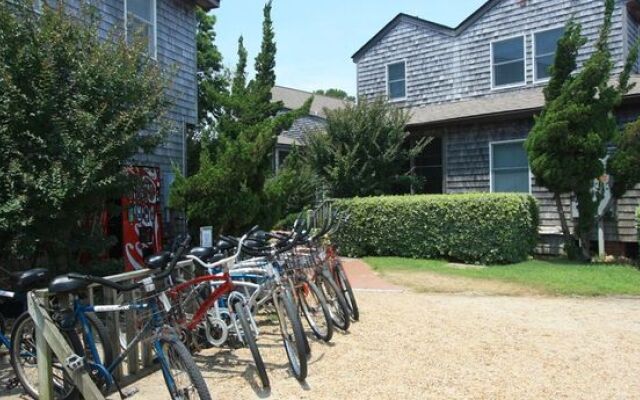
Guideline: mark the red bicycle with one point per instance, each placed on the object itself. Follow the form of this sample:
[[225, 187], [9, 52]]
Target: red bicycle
[[210, 310]]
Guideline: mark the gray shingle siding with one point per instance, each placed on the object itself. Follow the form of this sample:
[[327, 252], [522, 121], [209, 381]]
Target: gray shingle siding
[[304, 126], [466, 150], [445, 67]]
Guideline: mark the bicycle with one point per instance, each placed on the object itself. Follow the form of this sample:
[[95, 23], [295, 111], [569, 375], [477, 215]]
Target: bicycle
[[219, 308], [173, 357]]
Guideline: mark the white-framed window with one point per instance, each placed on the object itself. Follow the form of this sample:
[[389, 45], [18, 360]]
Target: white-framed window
[[397, 80], [508, 62], [509, 167], [545, 44], [140, 22]]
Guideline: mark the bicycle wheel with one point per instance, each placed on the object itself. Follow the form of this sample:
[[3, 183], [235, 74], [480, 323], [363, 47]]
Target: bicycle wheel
[[25, 364], [315, 310], [347, 291], [181, 374], [292, 334], [335, 300], [249, 339]]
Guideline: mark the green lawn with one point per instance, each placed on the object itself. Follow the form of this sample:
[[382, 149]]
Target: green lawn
[[552, 277]]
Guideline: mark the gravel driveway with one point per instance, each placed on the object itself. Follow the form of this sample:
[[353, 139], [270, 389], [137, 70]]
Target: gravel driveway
[[447, 346]]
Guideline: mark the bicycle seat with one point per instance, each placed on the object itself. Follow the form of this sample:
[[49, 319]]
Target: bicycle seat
[[203, 253], [158, 261], [65, 284], [31, 279], [224, 245]]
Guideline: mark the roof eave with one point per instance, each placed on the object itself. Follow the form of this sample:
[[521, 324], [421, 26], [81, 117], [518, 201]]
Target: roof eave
[[208, 4], [470, 20]]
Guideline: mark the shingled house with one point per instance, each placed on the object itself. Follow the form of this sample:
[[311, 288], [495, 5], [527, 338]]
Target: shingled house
[[476, 87], [169, 27], [313, 122]]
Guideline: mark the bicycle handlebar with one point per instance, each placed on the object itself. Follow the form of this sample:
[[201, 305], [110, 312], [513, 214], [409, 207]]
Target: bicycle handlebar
[[127, 288]]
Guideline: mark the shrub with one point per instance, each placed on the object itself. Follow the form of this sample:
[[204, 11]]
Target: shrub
[[473, 228]]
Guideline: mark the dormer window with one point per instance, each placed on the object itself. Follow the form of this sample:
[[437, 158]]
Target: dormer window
[[396, 81], [140, 17], [507, 62], [545, 45]]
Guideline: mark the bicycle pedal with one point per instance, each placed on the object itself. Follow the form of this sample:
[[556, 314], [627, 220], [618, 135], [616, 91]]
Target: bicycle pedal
[[129, 392]]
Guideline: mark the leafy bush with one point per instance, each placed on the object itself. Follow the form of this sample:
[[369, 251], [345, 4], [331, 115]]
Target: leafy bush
[[473, 228]]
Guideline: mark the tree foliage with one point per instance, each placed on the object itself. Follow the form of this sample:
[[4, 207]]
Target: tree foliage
[[71, 107], [337, 93], [228, 189], [571, 135], [364, 149]]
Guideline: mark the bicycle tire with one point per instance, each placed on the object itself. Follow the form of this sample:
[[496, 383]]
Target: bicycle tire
[[347, 291], [249, 338], [303, 295], [340, 314], [176, 354], [21, 328], [294, 343]]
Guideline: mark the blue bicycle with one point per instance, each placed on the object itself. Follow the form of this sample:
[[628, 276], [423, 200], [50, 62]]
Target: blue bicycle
[[181, 375], [22, 342]]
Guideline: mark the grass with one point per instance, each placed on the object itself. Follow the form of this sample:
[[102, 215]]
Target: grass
[[555, 277]]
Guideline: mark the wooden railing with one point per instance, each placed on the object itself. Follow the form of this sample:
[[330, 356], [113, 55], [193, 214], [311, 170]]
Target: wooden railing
[[49, 339]]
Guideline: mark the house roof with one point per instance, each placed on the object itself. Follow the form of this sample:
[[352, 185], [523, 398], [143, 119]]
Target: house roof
[[443, 29], [522, 101], [294, 98], [208, 4]]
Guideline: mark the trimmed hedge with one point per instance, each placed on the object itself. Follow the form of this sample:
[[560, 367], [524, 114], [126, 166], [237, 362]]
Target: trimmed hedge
[[473, 228]]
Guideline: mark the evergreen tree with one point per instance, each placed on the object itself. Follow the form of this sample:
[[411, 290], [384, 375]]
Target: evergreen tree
[[228, 189], [571, 135], [364, 150]]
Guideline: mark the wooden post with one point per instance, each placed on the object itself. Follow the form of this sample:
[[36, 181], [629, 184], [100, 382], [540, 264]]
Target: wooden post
[[47, 331], [43, 356], [130, 329], [113, 326]]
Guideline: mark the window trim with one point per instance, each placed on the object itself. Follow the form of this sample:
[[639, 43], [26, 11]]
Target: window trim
[[387, 82], [154, 24], [524, 60], [534, 56], [491, 178]]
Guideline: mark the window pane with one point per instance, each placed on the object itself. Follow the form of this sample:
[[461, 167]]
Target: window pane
[[511, 181], [396, 72], [508, 73], [139, 31], [508, 50], [547, 42], [141, 8], [510, 155], [396, 90], [542, 66]]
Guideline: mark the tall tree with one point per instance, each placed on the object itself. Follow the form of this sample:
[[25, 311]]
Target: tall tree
[[571, 135], [71, 108], [211, 79], [228, 190], [212, 86], [363, 150]]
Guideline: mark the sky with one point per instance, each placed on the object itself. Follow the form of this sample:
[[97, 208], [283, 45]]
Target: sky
[[316, 39]]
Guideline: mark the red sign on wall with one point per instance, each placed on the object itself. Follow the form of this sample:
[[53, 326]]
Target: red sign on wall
[[141, 218]]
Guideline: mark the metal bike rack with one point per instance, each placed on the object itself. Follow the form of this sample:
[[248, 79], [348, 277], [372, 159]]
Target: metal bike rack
[[49, 339]]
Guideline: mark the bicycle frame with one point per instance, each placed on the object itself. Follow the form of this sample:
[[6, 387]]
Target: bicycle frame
[[155, 323]]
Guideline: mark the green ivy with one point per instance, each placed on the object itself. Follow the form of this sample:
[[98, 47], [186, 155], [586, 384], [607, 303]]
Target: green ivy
[[473, 228]]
